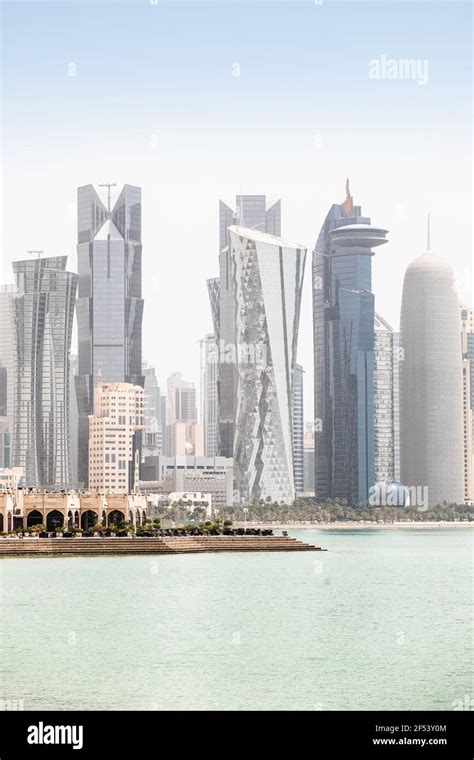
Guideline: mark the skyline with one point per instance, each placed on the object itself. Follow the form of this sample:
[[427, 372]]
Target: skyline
[[174, 120]]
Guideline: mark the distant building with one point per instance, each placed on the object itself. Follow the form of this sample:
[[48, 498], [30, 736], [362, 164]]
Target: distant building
[[190, 500], [153, 433], [431, 384], [212, 475], [184, 435], [209, 395], [73, 419], [44, 311], [308, 452], [114, 437], [10, 478], [467, 343], [8, 372], [297, 428], [386, 421], [110, 303]]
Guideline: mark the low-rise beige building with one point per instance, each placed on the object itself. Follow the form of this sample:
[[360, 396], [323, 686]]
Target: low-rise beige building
[[26, 508]]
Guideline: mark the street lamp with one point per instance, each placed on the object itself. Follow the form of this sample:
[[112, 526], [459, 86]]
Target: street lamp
[[245, 510]]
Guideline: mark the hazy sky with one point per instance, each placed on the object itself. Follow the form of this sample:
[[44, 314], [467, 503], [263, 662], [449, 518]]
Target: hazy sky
[[146, 93]]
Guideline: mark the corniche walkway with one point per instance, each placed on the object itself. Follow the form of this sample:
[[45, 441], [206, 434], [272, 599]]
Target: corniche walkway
[[50, 547]]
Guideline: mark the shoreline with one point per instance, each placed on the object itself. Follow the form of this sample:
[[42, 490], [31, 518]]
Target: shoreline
[[358, 525]]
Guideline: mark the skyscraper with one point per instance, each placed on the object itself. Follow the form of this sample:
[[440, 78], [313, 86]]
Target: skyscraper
[[308, 450], [209, 400], [110, 304], [297, 428], [8, 372], [386, 423], [343, 322], [251, 211], [73, 419], [153, 431], [266, 284], [115, 435], [431, 396], [184, 435], [44, 317], [467, 343]]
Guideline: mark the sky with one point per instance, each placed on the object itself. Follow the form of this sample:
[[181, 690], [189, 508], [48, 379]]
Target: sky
[[196, 101]]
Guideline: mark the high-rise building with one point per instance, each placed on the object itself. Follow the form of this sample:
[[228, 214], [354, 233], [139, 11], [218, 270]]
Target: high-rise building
[[431, 395], [110, 304], [308, 452], [209, 400], [8, 372], [297, 428], [153, 433], [251, 212], [467, 343], [181, 400], [184, 435], [267, 278], [73, 419], [114, 437], [386, 422], [44, 317], [343, 323]]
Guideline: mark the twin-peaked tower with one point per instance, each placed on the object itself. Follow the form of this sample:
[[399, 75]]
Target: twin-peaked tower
[[110, 304]]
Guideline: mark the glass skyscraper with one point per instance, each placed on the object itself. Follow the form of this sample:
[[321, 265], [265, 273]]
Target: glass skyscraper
[[343, 323], [297, 428], [8, 372], [44, 317], [251, 211], [110, 304], [266, 284], [386, 422]]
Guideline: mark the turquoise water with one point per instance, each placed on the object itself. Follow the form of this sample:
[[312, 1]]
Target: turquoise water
[[380, 621]]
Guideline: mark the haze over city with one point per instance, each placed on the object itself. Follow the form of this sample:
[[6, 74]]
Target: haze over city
[[181, 99]]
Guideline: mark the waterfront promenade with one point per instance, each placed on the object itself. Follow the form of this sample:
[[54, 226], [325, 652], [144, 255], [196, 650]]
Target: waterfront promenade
[[37, 547]]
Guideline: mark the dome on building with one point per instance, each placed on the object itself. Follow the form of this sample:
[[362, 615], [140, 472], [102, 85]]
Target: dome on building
[[431, 400]]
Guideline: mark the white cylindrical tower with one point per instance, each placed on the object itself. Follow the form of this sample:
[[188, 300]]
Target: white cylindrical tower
[[431, 400]]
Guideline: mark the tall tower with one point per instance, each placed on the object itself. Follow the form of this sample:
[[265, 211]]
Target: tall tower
[[44, 317], [386, 423], [431, 394], [467, 342], [266, 284], [8, 372], [209, 405], [297, 428], [110, 304], [343, 325], [251, 212]]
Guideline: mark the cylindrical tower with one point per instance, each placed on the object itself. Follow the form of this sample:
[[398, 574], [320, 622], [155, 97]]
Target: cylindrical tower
[[431, 411]]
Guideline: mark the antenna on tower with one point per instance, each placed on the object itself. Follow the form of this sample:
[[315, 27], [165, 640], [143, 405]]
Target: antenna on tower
[[428, 241], [38, 253], [108, 185]]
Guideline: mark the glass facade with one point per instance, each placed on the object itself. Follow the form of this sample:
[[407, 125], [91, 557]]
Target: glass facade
[[297, 423], [44, 317], [267, 277], [253, 212], [110, 304], [385, 408], [8, 370], [343, 324]]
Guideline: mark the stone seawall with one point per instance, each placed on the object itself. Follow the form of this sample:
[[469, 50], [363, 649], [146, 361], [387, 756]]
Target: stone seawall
[[40, 547]]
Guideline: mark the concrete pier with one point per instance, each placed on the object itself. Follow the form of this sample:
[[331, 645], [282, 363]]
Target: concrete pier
[[51, 547]]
